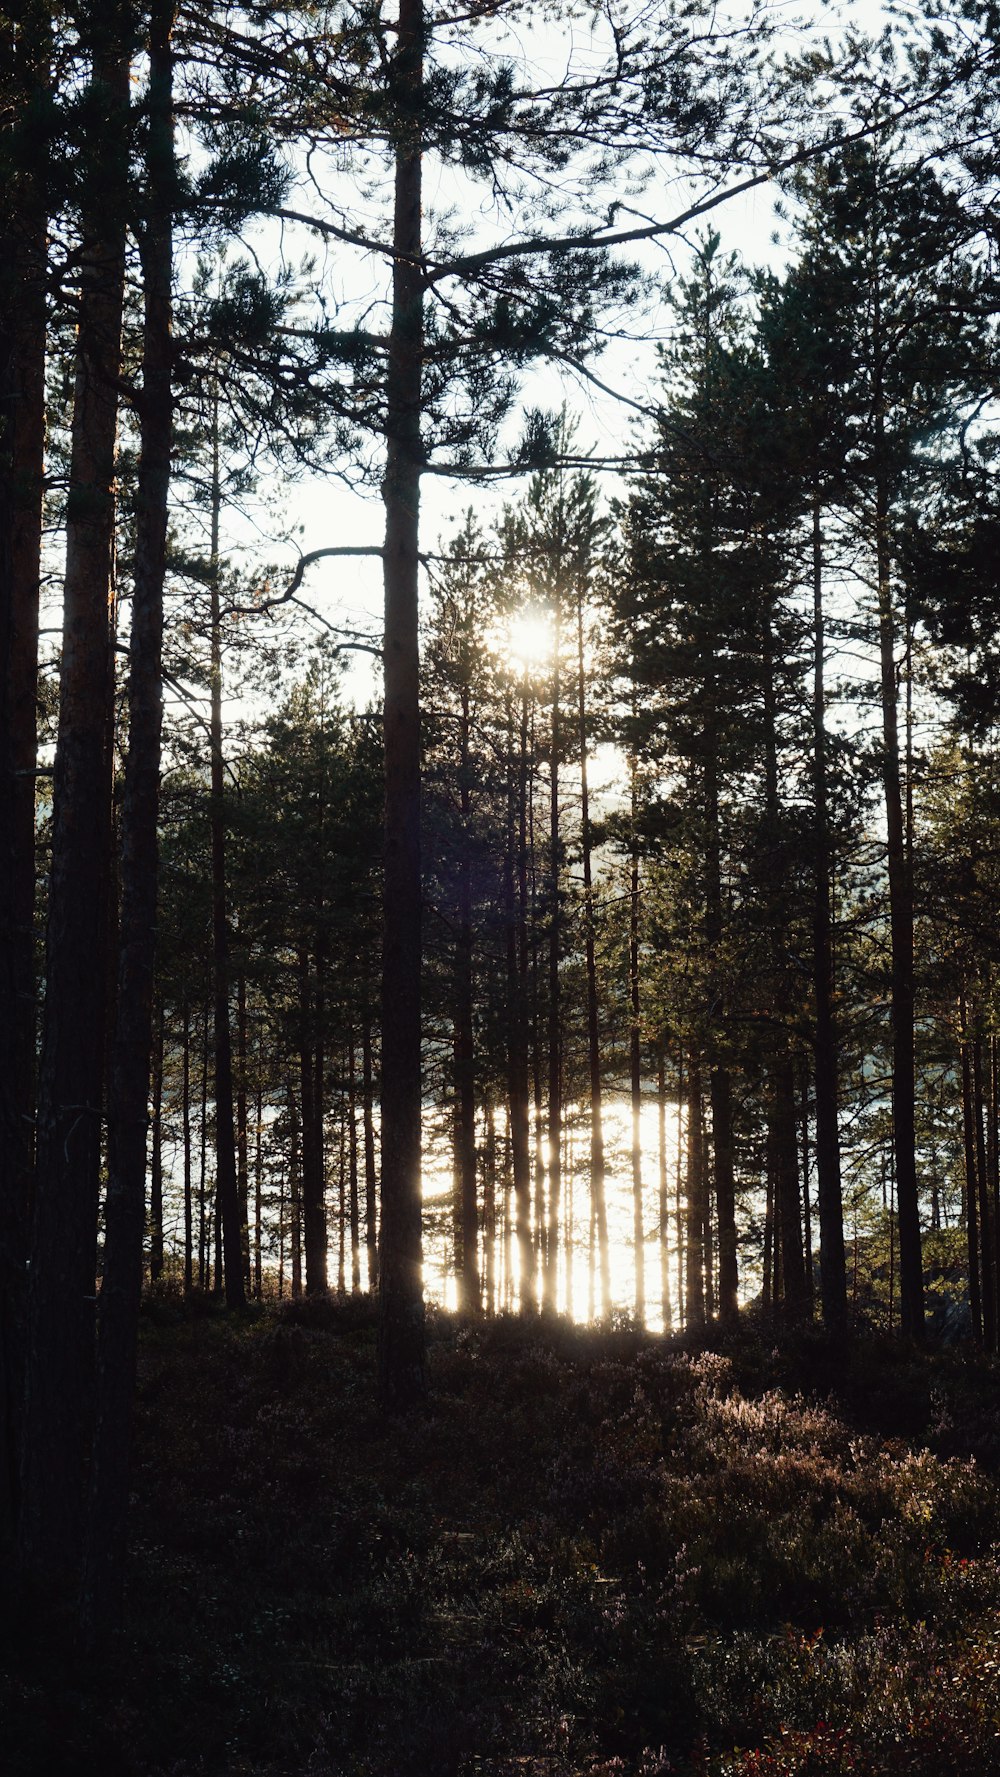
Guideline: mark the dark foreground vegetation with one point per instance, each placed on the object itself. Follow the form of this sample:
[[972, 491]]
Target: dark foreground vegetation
[[594, 1553]]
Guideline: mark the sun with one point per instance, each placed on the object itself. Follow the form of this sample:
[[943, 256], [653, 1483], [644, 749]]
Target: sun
[[525, 642]]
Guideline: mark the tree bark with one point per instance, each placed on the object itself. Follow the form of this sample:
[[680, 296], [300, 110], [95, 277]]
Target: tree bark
[[401, 1357], [371, 1176], [598, 1183], [554, 1008], [832, 1257], [469, 1291], [156, 1159], [227, 1184], [26, 55], [515, 914], [60, 1348], [118, 1320], [635, 1060]]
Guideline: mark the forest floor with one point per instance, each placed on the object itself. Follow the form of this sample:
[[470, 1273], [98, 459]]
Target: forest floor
[[598, 1554]]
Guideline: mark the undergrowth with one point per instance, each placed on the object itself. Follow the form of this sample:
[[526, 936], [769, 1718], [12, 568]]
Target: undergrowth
[[595, 1553]]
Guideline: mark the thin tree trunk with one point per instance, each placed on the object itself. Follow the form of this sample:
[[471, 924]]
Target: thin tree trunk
[[696, 1197], [258, 1195], [294, 1194], [156, 1158], [515, 913], [22, 465], [635, 1060], [60, 1334], [352, 1115], [186, 1147], [371, 1177], [311, 1083], [554, 1046], [402, 1369], [242, 1159], [971, 1179], [118, 1321], [598, 1186], [832, 1258], [490, 1206], [225, 1143], [469, 1293], [664, 1200], [203, 1231], [987, 1248], [911, 1284]]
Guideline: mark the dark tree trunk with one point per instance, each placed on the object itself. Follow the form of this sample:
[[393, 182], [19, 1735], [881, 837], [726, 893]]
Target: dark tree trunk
[[22, 463], [598, 1188], [832, 1258], [635, 1061], [242, 1161], [203, 1228], [554, 1046], [371, 1177], [469, 1294], [911, 1283], [294, 1195], [515, 914], [696, 1198], [720, 1086], [156, 1158], [60, 1351], [118, 1322], [402, 1367], [227, 1184], [186, 1147], [784, 1167], [987, 1249], [352, 1127], [313, 1206], [664, 1201]]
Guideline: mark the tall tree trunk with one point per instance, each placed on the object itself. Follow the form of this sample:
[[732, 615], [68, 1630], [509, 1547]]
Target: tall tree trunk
[[313, 1207], [295, 1194], [515, 914], [555, 1117], [635, 1059], [696, 1196], [832, 1257], [156, 1158], [258, 1194], [664, 1200], [911, 1283], [598, 1187], [469, 1295], [719, 1084], [242, 1158], [352, 1125], [227, 1184], [118, 1320], [987, 1247], [371, 1177], [186, 1145], [402, 1365], [490, 1206], [22, 462], [60, 1348], [203, 1231], [783, 1161]]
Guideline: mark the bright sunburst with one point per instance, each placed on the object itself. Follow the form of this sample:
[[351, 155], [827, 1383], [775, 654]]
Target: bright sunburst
[[526, 639]]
